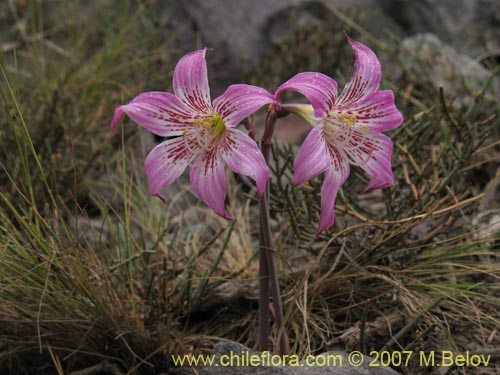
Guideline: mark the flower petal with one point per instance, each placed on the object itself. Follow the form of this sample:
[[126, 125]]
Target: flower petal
[[240, 101], [190, 81], [243, 156], [366, 77], [320, 89], [378, 112], [373, 153], [117, 117], [166, 162], [312, 158], [208, 181], [335, 177], [159, 112]]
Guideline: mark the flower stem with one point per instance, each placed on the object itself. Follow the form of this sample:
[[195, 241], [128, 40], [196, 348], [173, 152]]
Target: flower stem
[[269, 274], [263, 263], [263, 291]]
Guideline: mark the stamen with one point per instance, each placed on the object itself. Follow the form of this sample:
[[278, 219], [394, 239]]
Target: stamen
[[349, 121], [205, 132], [364, 142], [366, 160], [186, 142]]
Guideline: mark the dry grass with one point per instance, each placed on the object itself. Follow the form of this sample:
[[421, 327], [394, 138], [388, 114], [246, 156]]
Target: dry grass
[[95, 271]]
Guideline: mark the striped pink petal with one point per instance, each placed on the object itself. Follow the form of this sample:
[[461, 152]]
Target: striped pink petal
[[242, 155], [166, 162], [313, 157], [190, 81], [377, 112], [240, 101], [159, 112], [317, 156], [335, 177], [318, 88], [208, 181], [366, 77], [372, 152]]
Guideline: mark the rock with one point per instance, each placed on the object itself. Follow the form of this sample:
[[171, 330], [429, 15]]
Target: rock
[[375, 331], [228, 294], [486, 222], [339, 364], [293, 20], [245, 30], [192, 216], [440, 64], [242, 33], [234, 30], [491, 199], [91, 232], [486, 225], [235, 25], [442, 17], [450, 20], [489, 10]]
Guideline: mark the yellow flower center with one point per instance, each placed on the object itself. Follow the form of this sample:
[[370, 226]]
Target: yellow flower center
[[207, 131], [336, 120], [349, 121], [214, 124]]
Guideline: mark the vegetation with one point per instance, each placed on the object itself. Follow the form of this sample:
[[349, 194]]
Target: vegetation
[[94, 270]]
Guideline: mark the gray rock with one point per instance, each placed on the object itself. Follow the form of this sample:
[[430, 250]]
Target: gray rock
[[241, 33], [438, 63], [339, 364], [486, 222], [310, 15], [453, 21], [489, 11], [444, 18], [235, 25], [91, 232]]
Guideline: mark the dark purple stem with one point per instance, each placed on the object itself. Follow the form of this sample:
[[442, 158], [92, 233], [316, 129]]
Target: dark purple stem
[[266, 251], [263, 294], [263, 264]]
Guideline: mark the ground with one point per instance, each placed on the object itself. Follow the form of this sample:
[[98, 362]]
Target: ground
[[97, 275]]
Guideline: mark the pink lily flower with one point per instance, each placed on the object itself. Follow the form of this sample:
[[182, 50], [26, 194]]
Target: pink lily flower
[[204, 131], [347, 129]]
